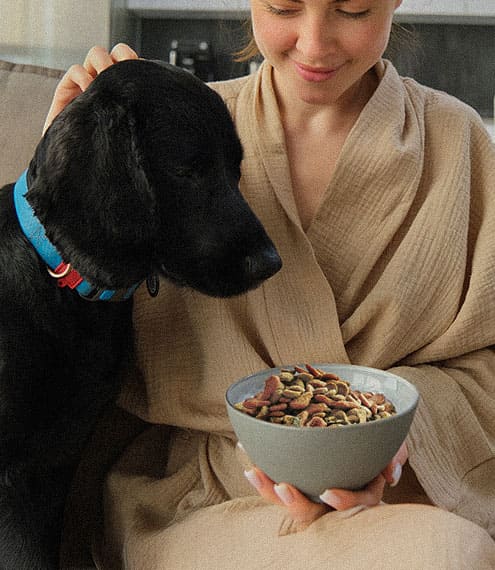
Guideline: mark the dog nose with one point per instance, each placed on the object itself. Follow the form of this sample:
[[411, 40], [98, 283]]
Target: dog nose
[[262, 265]]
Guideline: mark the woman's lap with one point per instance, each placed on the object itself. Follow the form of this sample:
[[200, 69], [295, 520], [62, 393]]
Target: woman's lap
[[249, 533]]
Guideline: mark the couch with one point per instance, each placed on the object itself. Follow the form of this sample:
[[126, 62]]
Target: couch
[[25, 95]]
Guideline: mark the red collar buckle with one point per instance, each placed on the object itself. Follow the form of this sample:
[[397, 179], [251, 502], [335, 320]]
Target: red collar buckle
[[65, 275]]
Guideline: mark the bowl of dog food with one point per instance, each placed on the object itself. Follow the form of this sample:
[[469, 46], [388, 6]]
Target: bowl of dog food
[[318, 426]]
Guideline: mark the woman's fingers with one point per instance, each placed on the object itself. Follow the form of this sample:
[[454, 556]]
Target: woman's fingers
[[393, 471], [341, 499], [298, 506], [78, 77], [372, 494], [74, 82], [122, 51], [97, 59], [301, 509]]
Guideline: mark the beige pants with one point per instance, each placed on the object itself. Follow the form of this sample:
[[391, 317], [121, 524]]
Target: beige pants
[[238, 536], [179, 517]]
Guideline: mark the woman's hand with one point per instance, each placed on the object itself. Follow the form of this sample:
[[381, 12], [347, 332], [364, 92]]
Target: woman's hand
[[302, 509], [78, 77]]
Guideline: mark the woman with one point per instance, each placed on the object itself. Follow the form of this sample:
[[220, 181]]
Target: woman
[[378, 194]]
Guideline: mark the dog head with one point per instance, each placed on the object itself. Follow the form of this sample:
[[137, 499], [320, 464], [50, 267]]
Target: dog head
[[139, 176]]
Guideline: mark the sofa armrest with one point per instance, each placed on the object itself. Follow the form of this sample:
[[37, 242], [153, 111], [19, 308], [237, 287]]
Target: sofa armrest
[[26, 92]]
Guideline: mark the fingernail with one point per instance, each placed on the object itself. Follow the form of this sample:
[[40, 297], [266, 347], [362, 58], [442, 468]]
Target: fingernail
[[284, 493], [253, 478], [330, 498], [396, 474]]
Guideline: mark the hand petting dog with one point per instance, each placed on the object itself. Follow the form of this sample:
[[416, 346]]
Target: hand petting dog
[[79, 77]]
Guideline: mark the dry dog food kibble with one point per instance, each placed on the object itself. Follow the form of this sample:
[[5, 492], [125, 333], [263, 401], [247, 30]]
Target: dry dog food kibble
[[314, 398]]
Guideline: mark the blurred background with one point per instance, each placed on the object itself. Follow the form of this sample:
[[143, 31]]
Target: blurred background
[[447, 44]]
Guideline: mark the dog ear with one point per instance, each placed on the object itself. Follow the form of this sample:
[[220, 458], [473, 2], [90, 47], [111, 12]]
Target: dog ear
[[89, 188]]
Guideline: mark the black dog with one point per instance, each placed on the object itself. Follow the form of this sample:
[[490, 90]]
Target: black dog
[[136, 178]]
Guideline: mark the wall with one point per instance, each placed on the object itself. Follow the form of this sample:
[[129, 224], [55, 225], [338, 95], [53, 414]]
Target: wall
[[55, 33], [459, 59]]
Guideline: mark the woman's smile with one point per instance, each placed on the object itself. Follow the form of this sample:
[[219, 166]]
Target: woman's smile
[[315, 74]]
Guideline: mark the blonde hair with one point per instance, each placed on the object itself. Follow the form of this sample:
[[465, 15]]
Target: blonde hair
[[250, 50]]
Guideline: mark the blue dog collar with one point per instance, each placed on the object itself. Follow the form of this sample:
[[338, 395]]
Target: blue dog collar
[[63, 272]]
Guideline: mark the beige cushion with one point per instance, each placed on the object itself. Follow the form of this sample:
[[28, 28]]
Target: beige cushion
[[26, 92]]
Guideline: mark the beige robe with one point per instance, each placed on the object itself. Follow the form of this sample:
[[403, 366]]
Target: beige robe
[[396, 271]]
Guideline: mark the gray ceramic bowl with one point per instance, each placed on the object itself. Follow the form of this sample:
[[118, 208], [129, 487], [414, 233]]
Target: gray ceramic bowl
[[315, 459]]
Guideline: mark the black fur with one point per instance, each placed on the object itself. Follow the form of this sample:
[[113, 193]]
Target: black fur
[[138, 176]]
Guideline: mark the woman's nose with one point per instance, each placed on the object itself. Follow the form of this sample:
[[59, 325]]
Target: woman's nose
[[316, 39]]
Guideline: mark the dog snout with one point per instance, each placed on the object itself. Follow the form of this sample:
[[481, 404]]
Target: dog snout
[[262, 265]]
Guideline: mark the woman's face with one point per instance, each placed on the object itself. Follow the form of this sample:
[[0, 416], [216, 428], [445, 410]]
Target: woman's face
[[320, 49]]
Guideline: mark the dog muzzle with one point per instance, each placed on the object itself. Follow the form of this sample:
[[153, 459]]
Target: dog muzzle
[[63, 272]]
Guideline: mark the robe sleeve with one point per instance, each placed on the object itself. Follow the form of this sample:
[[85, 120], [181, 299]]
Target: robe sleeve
[[452, 440]]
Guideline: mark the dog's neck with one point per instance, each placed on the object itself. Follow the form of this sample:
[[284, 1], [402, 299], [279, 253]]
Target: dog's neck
[[60, 270]]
